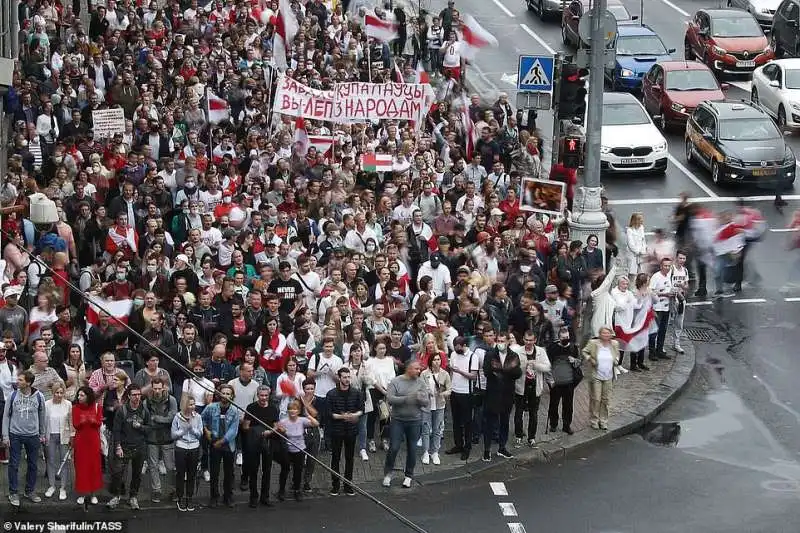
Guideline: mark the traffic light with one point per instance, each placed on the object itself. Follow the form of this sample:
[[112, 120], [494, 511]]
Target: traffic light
[[572, 92], [572, 151]]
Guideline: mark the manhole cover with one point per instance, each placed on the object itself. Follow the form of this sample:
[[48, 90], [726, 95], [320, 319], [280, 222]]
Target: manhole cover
[[700, 334]]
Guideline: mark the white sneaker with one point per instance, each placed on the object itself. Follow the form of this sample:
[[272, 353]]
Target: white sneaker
[[206, 476], [679, 349], [81, 499], [518, 442], [62, 494], [133, 503], [93, 501], [419, 442], [162, 468], [372, 447], [113, 502], [407, 483], [435, 459], [387, 480], [144, 468], [239, 459], [49, 492], [426, 459], [385, 445], [364, 456]]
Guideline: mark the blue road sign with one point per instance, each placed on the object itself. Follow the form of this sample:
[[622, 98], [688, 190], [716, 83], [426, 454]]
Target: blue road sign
[[535, 73]]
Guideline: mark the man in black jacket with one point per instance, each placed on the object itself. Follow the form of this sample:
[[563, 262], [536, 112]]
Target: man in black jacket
[[161, 408], [502, 368], [128, 445], [346, 406]]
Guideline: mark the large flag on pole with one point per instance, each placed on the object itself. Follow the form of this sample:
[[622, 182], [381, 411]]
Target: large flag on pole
[[380, 29], [218, 110], [469, 127], [286, 28], [475, 37]]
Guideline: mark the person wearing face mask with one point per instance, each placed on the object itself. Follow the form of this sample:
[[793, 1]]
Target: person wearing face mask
[[502, 368], [188, 192], [119, 288], [564, 359]]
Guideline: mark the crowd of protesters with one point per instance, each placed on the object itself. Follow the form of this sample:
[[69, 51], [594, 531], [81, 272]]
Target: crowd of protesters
[[270, 291]]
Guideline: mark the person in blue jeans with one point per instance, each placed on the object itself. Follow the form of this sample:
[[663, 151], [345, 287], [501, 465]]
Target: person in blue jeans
[[407, 395], [24, 426]]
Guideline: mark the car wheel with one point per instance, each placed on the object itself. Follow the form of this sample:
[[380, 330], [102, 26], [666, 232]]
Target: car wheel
[[754, 96], [662, 120], [688, 53], [564, 36], [542, 12], [716, 177], [689, 152], [781, 119]]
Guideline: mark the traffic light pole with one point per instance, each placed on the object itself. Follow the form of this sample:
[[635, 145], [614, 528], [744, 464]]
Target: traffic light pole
[[556, 99], [587, 217]]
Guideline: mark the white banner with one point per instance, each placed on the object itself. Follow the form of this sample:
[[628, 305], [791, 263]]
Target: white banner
[[107, 122], [354, 102]]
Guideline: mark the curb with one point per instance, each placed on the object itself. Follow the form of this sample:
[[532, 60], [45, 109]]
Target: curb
[[625, 423]]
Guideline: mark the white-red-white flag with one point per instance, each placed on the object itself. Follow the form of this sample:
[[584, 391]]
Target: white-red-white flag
[[286, 28], [474, 37], [421, 75], [398, 73], [300, 137], [118, 310], [469, 127], [218, 109], [323, 144], [380, 29]]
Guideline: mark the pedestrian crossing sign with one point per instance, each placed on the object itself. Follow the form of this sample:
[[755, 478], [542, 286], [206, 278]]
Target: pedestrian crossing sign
[[535, 73]]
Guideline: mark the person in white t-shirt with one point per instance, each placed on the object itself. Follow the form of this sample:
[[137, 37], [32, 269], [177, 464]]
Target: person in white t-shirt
[[451, 60], [322, 367], [679, 277], [463, 366], [661, 286]]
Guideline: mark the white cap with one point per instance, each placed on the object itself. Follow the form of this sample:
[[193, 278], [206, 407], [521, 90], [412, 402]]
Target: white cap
[[182, 257]]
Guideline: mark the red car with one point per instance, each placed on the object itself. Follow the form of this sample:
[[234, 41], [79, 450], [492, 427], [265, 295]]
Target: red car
[[672, 89], [727, 40]]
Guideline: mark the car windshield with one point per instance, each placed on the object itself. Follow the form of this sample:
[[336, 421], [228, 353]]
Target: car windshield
[[691, 80], [619, 12], [736, 27], [751, 129], [791, 78], [624, 114], [640, 45]]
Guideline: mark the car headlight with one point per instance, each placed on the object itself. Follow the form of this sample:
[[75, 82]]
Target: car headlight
[[719, 51], [661, 147], [678, 107], [605, 150], [733, 161], [626, 73]]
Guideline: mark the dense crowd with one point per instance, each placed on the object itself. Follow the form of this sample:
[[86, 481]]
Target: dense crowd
[[212, 282]]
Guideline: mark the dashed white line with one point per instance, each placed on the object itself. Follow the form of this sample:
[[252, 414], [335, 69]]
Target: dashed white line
[[676, 8], [749, 301], [508, 509], [504, 8], [498, 488], [702, 200], [696, 304], [691, 176], [516, 527], [539, 40], [784, 230], [792, 299]]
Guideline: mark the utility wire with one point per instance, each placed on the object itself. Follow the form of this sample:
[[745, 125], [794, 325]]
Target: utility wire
[[397, 514]]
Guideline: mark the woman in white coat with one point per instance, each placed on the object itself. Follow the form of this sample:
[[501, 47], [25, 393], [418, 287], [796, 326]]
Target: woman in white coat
[[635, 245], [624, 306], [603, 304]]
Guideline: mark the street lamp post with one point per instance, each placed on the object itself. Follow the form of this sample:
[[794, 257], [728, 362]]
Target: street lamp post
[[587, 217]]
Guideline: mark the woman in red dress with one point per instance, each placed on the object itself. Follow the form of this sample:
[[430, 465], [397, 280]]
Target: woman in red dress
[[87, 415]]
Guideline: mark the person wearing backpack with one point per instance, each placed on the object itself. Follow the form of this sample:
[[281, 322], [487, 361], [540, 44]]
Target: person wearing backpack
[[8, 379], [24, 426]]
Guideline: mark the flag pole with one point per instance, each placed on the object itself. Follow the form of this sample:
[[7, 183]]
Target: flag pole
[[369, 58], [208, 120]]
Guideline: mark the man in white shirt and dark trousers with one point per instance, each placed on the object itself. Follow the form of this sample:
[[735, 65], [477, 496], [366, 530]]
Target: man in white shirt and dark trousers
[[463, 366], [679, 277], [661, 287]]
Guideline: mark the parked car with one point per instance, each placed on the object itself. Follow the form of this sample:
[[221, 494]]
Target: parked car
[[762, 10], [672, 89], [573, 12], [546, 8], [638, 48], [776, 89], [739, 143], [785, 34], [629, 141], [727, 40]]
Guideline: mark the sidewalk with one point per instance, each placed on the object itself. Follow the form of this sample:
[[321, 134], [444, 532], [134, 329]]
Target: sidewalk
[[637, 399]]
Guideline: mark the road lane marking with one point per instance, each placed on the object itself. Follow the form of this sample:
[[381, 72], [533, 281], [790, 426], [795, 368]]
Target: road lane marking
[[508, 509], [498, 488], [696, 304], [676, 8], [689, 174], [793, 299], [749, 301], [516, 527], [702, 200], [541, 41], [504, 8], [783, 230]]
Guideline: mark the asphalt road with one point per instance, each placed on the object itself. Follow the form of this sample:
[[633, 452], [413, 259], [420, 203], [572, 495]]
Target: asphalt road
[[711, 464]]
